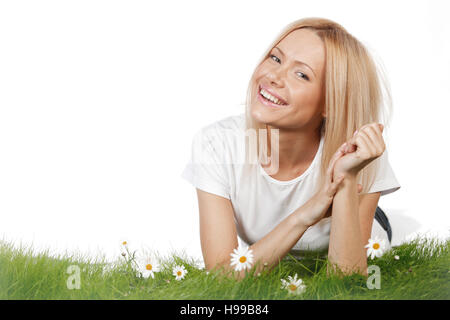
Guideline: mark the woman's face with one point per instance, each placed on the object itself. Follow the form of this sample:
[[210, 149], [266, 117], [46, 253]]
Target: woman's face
[[298, 87]]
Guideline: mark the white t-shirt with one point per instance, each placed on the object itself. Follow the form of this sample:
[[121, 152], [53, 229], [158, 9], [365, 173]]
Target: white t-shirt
[[261, 202]]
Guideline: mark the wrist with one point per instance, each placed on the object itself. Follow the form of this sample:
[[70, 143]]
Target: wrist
[[349, 183], [299, 218], [347, 175]]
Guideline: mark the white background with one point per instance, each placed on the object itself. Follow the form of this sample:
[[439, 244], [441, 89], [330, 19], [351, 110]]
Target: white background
[[99, 101]]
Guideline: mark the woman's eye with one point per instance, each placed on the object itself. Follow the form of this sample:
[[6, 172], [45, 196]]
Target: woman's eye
[[302, 75], [276, 58]]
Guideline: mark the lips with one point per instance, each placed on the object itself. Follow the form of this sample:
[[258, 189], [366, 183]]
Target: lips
[[283, 101]]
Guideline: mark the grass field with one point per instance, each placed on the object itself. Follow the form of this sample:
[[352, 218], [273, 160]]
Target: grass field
[[422, 271]]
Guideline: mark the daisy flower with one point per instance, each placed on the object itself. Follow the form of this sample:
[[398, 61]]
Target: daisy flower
[[124, 247], [179, 272], [242, 258], [375, 247], [148, 267], [293, 285]]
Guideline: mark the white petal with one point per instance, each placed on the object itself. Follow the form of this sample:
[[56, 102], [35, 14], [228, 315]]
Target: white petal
[[301, 289]]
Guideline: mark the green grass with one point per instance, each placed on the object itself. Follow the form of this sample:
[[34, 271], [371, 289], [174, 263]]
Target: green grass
[[422, 272]]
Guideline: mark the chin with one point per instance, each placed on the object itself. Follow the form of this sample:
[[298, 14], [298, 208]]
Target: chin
[[263, 115], [259, 115]]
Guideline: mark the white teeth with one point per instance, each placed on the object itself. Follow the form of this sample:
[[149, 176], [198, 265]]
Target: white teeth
[[268, 96]]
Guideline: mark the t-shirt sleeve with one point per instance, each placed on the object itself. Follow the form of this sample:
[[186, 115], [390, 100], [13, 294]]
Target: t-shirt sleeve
[[385, 181], [206, 169]]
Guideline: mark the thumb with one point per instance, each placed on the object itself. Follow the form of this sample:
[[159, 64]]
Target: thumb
[[333, 187], [381, 126]]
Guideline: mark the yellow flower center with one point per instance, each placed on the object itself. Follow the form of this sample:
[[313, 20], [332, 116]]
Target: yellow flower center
[[179, 273], [124, 243], [292, 287], [148, 267], [242, 259], [376, 246]]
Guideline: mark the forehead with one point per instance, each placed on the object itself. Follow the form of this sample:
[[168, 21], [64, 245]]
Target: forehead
[[304, 45]]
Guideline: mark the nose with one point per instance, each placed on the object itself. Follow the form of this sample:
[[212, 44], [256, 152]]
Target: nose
[[276, 77]]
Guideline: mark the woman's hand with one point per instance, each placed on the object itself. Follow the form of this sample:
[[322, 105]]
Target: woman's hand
[[366, 145], [318, 206]]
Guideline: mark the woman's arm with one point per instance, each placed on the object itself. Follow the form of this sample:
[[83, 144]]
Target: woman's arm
[[218, 231], [346, 247], [219, 237], [347, 235], [272, 248]]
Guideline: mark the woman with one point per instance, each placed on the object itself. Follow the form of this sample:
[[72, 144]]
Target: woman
[[314, 104]]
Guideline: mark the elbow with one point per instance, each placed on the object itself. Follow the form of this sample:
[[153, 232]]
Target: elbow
[[223, 268], [216, 265], [347, 269]]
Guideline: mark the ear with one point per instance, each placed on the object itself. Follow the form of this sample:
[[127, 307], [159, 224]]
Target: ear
[[323, 110]]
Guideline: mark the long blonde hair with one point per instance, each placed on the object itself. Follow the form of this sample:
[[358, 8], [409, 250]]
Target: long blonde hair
[[356, 91]]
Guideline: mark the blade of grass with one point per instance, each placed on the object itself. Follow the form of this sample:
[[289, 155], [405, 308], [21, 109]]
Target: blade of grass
[[301, 264]]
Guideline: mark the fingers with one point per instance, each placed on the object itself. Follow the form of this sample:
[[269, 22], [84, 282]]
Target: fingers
[[366, 144], [376, 133], [334, 186], [376, 138], [370, 138], [351, 145], [331, 186], [333, 160]]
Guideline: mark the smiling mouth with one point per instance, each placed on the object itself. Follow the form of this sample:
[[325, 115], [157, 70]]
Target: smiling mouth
[[267, 97]]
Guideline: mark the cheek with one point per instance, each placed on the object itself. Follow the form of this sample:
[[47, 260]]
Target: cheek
[[261, 71], [307, 97]]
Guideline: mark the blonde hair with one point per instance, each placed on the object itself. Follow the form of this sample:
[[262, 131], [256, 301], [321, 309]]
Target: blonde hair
[[354, 89]]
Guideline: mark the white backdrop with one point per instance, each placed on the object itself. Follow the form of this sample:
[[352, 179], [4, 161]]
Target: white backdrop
[[99, 101]]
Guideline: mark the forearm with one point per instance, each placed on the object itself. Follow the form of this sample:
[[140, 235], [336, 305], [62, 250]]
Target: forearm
[[270, 250], [346, 248]]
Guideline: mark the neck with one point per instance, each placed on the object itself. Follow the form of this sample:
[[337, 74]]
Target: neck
[[296, 147]]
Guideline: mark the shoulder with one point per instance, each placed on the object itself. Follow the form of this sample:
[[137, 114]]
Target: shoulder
[[220, 139], [223, 131], [231, 123]]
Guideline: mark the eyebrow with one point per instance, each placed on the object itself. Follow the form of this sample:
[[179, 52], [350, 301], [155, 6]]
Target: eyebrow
[[297, 61]]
